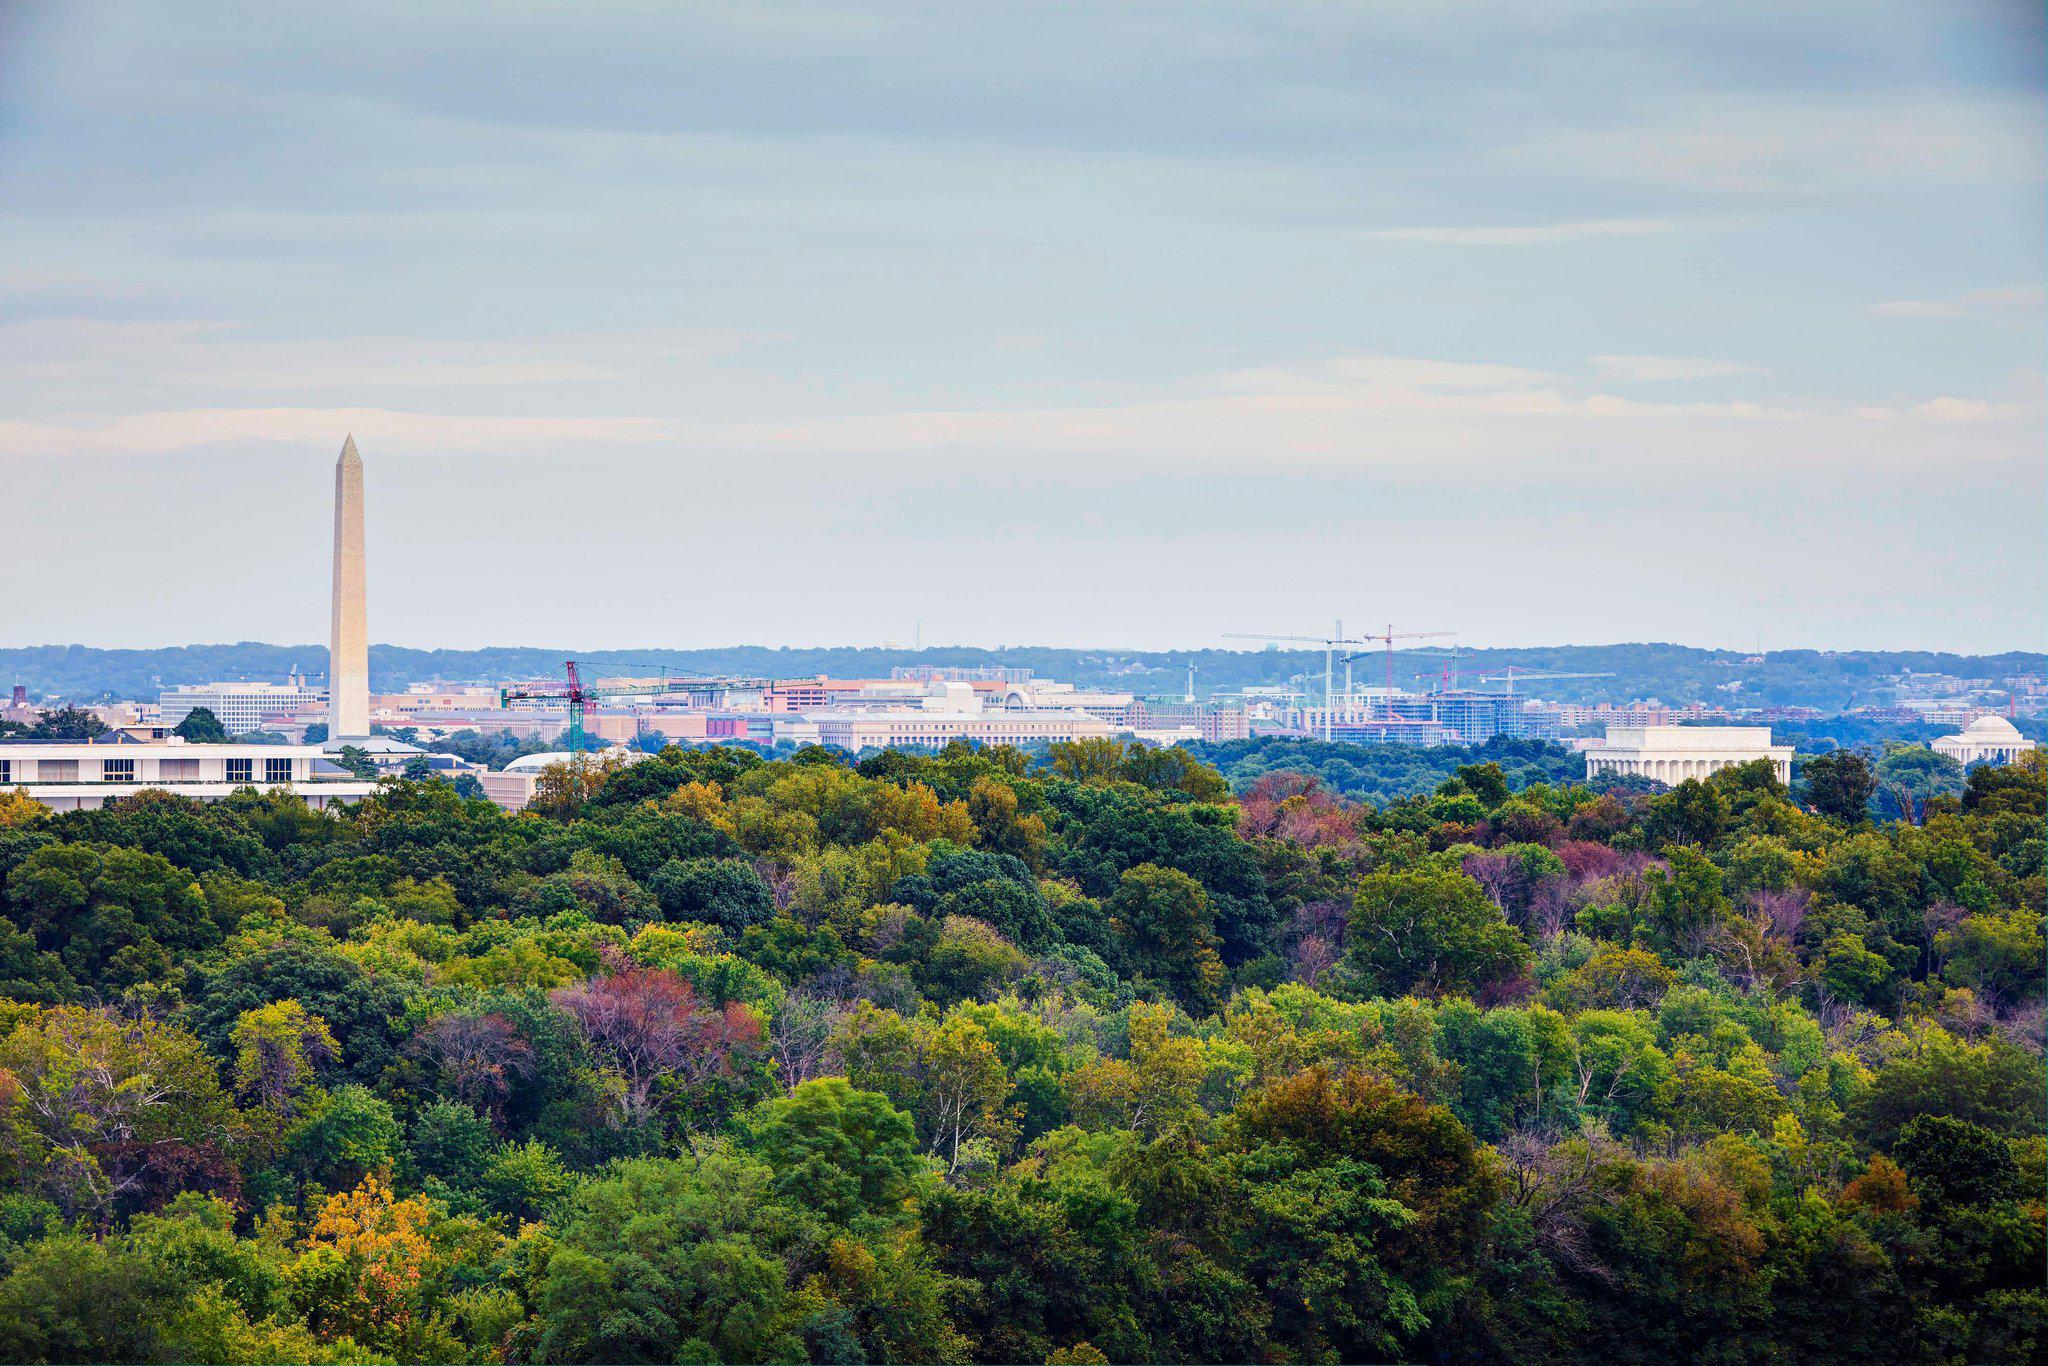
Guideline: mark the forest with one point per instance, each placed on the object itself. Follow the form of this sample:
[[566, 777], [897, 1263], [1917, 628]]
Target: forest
[[984, 1057], [1384, 772]]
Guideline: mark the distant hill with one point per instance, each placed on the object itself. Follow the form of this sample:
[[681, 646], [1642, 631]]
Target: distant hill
[[1672, 673]]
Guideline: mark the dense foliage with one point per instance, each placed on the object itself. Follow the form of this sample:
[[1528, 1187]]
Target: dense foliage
[[1830, 680], [1384, 773], [971, 1057]]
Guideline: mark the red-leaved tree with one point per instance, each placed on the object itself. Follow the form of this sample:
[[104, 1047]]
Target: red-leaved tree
[[649, 1024], [479, 1056]]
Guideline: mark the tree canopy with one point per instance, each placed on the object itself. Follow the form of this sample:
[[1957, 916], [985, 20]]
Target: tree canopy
[[980, 1056]]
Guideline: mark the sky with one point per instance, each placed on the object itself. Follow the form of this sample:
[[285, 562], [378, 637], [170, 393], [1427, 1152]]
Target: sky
[[1098, 324]]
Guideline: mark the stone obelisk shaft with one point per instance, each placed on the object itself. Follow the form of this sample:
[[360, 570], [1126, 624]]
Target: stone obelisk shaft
[[348, 659]]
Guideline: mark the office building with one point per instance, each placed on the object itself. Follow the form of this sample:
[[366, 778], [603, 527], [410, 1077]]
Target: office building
[[240, 707]]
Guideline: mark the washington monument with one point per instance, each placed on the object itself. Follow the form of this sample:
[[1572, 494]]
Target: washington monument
[[348, 652]]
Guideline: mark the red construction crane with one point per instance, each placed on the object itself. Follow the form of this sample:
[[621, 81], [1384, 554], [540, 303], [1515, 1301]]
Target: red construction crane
[[577, 696], [574, 693], [1387, 638]]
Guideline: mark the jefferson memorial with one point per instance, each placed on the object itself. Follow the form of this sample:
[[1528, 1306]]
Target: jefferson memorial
[[1986, 740]]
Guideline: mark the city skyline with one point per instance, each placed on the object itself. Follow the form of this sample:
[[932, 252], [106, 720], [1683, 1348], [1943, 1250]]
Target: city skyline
[[1662, 324]]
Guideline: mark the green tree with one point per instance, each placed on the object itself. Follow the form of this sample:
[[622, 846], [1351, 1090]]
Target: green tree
[[1164, 928], [1840, 785], [1954, 1162], [72, 1299], [1429, 931], [844, 1153], [201, 727], [1908, 776], [2019, 788], [450, 1143], [345, 1135], [726, 892], [105, 1113], [67, 723], [1691, 813], [113, 916], [670, 1261], [357, 761], [279, 1048]]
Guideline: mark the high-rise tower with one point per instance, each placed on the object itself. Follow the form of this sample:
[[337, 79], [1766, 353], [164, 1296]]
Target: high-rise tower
[[348, 656]]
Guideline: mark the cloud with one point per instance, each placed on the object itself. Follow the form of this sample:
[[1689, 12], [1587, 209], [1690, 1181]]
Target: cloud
[[2011, 299], [173, 432], [1411, 418], [71, 363], [1734, 144], [1656, 369], [1542, 234], [1946, 409]]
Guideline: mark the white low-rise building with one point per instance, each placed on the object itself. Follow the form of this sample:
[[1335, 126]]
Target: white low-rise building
[[1672, 754], [857, 731], [1986, 740], [79, 775]]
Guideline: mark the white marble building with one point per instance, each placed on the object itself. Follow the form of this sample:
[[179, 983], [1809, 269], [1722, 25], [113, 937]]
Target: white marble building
[[1986, 740], [1672, 754], [73, 775]]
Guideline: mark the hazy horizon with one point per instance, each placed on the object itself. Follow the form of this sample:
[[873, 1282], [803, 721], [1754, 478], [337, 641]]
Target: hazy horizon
[[1371, 649], [1115, 323]]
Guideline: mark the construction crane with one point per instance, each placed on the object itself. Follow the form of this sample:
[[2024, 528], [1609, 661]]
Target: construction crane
[[1449, 672], [1514, 672], [1329, 644], [578, 696], [1387, 638]]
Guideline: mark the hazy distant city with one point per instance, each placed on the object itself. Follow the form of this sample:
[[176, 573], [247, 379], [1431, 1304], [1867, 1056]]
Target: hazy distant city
[[963, 684], [499, 733]]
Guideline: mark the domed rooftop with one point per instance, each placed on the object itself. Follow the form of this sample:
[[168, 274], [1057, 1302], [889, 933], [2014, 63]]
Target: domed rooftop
[[527, 763], [1991, 728], [532, 763]]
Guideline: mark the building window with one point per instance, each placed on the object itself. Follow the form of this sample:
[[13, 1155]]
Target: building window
[[6, 770], [277, 770], [117, 770], [241, 770]]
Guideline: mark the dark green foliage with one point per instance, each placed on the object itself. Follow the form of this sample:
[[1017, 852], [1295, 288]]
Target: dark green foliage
[[201, 727], [114, 917], [1840, 785], [843, 1153], [1384, 773], [1428, 930], [365, 1011], [724, 892]]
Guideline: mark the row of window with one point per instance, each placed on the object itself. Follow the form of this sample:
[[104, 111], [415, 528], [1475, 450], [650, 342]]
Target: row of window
[[123, 771], [239, 771]]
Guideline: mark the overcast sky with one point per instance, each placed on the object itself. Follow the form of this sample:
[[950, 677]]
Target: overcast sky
[[1088, 324]]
